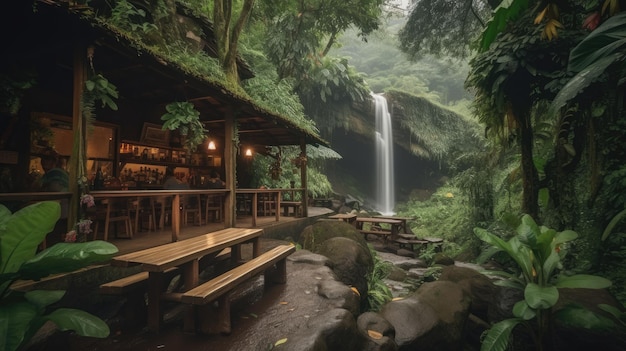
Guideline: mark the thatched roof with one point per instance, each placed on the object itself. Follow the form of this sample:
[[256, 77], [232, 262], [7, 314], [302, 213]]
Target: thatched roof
[[143, 74]]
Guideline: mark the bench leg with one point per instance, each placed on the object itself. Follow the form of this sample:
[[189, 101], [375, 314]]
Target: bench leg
[[278, 274], [156, 283], [215, 319]]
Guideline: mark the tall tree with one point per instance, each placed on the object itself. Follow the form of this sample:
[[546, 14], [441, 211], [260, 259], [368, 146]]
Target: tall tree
[[228, 30], [522, 66], [444, 27], [306, 30]]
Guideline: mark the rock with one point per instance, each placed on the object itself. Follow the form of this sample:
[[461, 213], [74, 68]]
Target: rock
[[442, 260], [342, 295], [333, 330], [350, 261], [306, 256], [314, 235], [410, 318], [396, 273], [479, 287], [378, 333], [405, 263], [432, 318], [406, 253]]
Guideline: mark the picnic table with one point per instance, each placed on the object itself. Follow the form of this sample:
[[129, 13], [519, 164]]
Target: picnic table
[[403, 227], [346, 217], [185, 255], [376, 228]]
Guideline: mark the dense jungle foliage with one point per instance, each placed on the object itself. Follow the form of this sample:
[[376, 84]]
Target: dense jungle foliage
[[544, 80]]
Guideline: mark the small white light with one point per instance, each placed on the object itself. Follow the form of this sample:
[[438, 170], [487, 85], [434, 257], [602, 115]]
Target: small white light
[[248, 152], [211, 145]]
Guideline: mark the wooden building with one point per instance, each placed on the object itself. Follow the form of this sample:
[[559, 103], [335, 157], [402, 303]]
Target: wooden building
[[51, 47]]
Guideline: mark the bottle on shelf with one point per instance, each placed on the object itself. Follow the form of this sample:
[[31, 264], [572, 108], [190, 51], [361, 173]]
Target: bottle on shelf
[[98, 182]]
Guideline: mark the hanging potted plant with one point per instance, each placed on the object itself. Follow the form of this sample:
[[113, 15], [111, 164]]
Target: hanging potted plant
[[183, 117]]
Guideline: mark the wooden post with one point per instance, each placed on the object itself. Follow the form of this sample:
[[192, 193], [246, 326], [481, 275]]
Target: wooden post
[[77, 166], [230, 166], [303, 181]]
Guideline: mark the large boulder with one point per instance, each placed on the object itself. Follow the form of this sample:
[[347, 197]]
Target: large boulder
[[315, 234], [350, 261], [478, 286], [344, 246], [333, 330], [431, 318]]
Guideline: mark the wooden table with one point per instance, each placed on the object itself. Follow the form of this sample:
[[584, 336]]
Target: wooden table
[[393, 223], [185, 255], [403, 227], [346, 217]]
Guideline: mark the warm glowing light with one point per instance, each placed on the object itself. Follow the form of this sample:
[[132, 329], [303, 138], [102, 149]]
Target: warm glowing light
[[248, 152], [211, 145]]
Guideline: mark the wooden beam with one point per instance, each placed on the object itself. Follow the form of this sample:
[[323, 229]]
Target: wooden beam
[[303, 181], [230, 166]]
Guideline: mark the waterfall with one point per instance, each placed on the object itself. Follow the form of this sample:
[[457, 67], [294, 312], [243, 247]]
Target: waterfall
[[385, 198]]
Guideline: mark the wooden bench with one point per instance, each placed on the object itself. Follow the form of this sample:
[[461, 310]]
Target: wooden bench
[[296, 205], [135, 286], [272, 263], [375, 226]]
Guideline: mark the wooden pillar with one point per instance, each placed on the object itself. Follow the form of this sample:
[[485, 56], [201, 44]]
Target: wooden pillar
[[303, 181], [230, 169], [77, 159]]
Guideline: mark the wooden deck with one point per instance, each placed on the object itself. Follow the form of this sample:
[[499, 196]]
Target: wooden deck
[[145, 239]]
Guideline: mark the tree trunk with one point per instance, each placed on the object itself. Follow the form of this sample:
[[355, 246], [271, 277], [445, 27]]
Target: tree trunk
[[227, 38], [519, 91]]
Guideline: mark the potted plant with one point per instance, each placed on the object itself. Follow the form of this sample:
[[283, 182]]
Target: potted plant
[[183, 117]]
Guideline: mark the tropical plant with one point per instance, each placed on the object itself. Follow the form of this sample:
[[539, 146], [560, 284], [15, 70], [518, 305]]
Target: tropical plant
[[538, 252], [128, 17], [22, 314], [184, 117], [593, 57], [378, 293]]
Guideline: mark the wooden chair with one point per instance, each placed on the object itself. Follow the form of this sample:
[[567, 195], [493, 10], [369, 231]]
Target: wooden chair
[[142, 209], [191, 208], [213, 205], [266, 204], [113, 211]]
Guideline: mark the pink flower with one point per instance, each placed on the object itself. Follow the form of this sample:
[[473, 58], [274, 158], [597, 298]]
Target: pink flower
[[592, 21], [84, 226], [70, 237], [87, 200]]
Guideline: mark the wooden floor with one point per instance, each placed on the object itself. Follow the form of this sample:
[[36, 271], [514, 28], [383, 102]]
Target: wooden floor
[[146, 239]]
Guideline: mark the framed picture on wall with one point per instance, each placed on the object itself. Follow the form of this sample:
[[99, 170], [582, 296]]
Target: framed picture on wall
[[154, 134]]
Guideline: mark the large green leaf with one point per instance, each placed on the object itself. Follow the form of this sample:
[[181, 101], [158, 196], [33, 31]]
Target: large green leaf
[[23, 231], [523, 311], [581, 80], [497, 338], [575, 316], [550, 264], [15, 319], [565, 236], [44, 298], [582, 281], [507, 11], [604, 41], [67, 257], [541, 297], [83, 323], [528, 231]]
